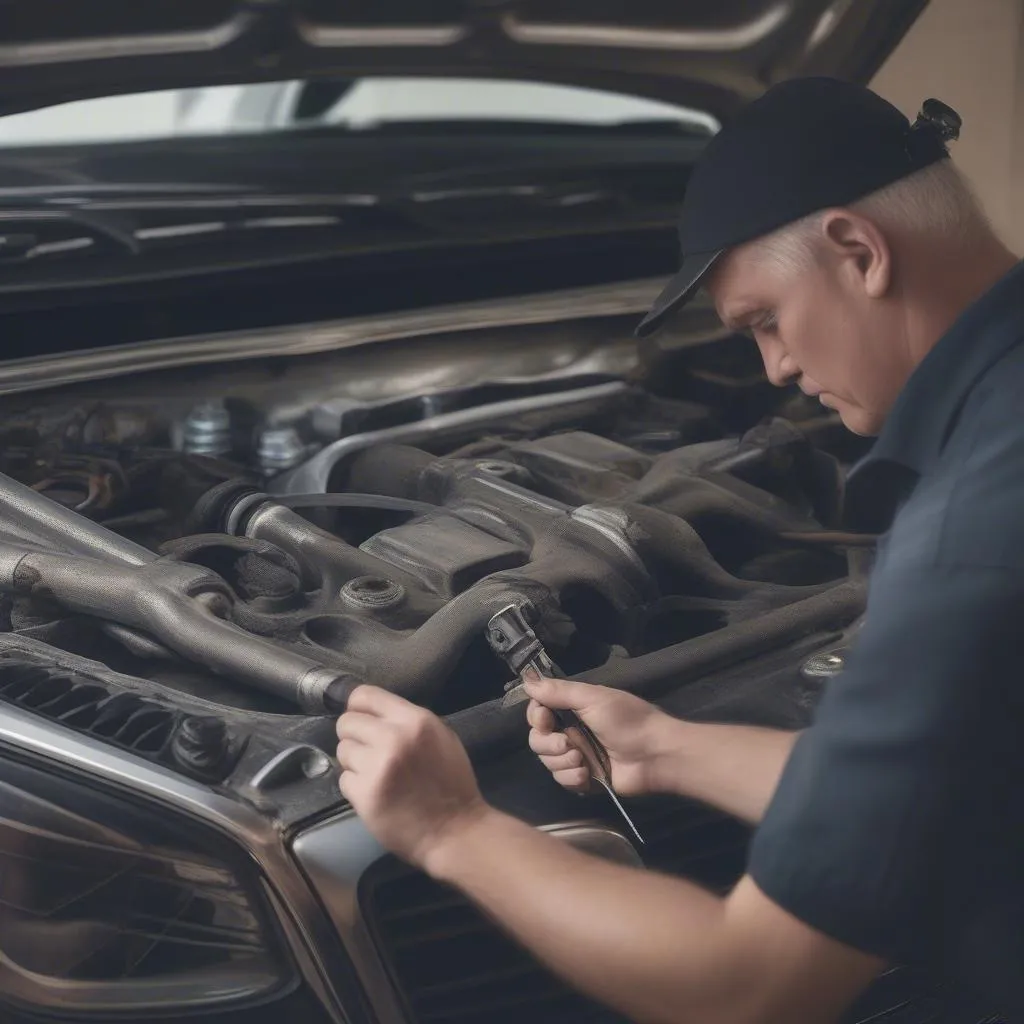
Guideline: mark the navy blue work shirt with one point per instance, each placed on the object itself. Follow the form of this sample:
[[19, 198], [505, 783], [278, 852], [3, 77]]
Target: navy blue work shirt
[[898, 824]]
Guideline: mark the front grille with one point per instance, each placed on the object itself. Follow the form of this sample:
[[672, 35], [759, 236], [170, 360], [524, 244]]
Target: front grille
[[688, 839], [451, 964], [87, 705]]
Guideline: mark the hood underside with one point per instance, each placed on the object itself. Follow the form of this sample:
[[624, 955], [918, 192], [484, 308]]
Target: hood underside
[[711, 54]]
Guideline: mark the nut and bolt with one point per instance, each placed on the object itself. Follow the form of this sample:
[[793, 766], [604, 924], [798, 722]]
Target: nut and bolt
[[201, 744], [207, 430], [279, 448]]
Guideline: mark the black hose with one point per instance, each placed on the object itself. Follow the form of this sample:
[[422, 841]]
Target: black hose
[[684, 663], [491, 730]]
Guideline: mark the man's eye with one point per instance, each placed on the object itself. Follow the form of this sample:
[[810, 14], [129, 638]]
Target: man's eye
[[769, 324]]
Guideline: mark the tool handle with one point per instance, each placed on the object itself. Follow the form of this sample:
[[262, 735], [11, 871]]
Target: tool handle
[[582, 737], [579, 734]]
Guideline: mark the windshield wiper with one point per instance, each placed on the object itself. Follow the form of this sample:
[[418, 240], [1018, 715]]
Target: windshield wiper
[[27, 234], [656, 127]]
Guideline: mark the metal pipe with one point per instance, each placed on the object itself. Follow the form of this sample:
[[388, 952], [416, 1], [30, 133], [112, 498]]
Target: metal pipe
[[178, 605], [314, 476], [41, 520]]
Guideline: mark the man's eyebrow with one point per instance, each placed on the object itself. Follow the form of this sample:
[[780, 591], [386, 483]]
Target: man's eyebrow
[[740, 317]]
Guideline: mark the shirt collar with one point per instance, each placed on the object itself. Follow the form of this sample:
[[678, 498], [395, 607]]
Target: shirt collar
[[919, 424], [926, 410]]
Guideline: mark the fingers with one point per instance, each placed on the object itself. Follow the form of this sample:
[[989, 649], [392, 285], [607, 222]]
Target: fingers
[[557, 754], [563, 762], [540, 717], [358, 727], [548, 744], [369, 707], [361, 738], [576, 780], [345, 785], [352, 756], [563, 693], [374, 700]]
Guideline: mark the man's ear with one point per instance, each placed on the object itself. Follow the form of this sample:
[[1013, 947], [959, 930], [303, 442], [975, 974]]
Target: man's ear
[[862, 249]]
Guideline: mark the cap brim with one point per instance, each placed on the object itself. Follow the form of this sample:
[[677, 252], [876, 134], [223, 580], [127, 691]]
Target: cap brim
[[678, 291]]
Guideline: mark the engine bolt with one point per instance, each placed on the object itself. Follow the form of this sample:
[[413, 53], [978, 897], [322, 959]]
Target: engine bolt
[[207, 430], [200, 744], [279, 448], [373, 592], [824, 666]]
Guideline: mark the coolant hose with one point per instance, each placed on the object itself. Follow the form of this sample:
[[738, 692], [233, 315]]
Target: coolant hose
[[178, 605]]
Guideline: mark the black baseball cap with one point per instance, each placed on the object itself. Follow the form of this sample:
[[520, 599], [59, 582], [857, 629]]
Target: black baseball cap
[[805, 145]]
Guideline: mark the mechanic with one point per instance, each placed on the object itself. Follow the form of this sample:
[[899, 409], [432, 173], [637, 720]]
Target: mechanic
[[890, 831]]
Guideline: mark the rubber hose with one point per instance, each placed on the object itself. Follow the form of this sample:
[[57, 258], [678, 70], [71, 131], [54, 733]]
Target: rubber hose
[[491, 730]]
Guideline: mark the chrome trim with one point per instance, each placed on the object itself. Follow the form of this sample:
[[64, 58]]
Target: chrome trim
[[334, 855], [310, 761], [738, 37], [344, 36], [313, 476], [309, 932], [107, 47], [34, 372], [337, 853]]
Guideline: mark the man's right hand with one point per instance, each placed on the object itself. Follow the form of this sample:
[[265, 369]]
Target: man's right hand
[[637, 735], [732, 767]]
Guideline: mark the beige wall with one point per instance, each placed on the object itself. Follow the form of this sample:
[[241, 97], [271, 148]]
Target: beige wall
[[968, 53]]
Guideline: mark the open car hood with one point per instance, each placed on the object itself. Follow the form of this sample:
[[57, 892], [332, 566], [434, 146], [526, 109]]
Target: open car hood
[[709, 54]]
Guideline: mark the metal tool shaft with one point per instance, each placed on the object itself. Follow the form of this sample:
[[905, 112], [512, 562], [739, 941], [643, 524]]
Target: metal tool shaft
[[622, 810], [511, 637]]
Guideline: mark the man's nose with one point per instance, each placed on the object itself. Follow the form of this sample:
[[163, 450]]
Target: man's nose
[[779, 366]]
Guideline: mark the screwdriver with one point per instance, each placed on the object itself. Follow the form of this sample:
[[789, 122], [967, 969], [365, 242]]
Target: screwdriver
[[512, 638]]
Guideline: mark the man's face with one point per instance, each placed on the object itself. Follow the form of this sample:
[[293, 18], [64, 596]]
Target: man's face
[[820, 329]]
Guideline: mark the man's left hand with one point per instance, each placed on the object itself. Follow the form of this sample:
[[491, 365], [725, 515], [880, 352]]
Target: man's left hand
[[406, 774]]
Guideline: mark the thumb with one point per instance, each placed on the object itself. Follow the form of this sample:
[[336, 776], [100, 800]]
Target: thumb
[[561, 693]]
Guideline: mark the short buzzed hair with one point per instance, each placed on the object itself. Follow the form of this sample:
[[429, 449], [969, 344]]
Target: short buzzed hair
[[935, 202]]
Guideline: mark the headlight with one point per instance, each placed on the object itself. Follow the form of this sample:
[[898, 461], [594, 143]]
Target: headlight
[[108, 906]]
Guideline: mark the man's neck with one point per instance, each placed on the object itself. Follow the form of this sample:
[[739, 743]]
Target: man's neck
[[947, 290]]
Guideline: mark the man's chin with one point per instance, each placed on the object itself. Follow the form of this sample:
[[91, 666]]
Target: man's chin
[[857, 421]]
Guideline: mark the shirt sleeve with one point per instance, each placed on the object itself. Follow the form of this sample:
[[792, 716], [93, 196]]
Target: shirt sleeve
[[873, 835]]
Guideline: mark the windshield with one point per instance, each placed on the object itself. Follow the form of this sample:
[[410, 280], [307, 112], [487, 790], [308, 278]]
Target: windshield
[[354, 105]]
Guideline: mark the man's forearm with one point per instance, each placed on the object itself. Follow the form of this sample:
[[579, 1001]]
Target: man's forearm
[[735, 768], [628, 938], [658, 949]]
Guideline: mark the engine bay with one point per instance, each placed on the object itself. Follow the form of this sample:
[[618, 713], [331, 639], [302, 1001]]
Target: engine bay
[[215, 555]]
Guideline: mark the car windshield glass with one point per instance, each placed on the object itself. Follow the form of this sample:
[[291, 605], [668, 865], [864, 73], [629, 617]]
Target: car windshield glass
[[361, 104]]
